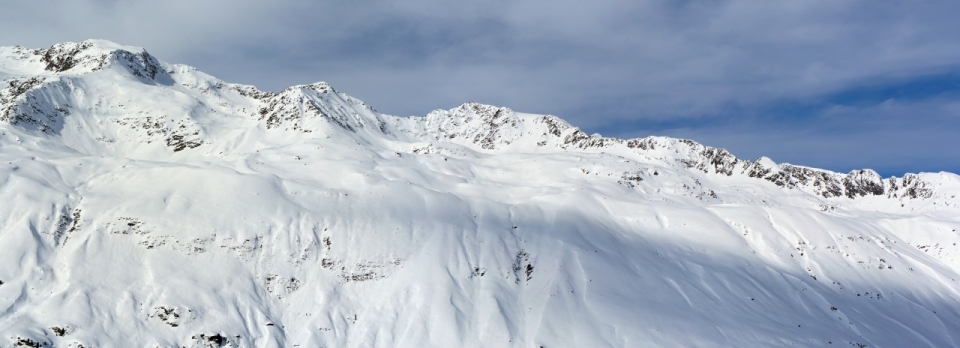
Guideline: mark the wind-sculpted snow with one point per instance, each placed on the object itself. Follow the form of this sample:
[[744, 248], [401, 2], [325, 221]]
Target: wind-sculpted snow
[[150, 204]]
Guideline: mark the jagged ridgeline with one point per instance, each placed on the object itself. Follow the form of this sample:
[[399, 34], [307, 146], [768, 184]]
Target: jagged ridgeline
[[42, 102], [150, 204]]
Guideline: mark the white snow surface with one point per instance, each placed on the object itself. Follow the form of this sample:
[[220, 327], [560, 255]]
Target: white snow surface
[[149, 204]]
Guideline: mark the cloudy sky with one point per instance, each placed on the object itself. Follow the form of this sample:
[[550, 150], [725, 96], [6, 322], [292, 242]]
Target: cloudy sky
[[836, 84]]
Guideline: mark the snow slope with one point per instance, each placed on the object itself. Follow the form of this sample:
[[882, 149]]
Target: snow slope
[[150, 204]]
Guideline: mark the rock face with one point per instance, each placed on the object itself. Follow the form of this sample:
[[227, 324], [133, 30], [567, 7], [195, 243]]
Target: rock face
[[150, 204], [90, 56]]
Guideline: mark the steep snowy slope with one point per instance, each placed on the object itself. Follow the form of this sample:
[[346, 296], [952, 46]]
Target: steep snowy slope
[[150, 204]]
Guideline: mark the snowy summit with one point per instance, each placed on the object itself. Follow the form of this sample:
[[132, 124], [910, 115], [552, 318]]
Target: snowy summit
[[150, 204]]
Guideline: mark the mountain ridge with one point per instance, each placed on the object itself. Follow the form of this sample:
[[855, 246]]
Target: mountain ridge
[[291, 104]]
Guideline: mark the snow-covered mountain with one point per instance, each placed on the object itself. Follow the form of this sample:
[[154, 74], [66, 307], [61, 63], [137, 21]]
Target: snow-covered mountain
[[150, 204]]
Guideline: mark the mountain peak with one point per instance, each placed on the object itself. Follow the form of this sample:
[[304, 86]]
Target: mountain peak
[[74, 58], [100, 46], [320, 86]]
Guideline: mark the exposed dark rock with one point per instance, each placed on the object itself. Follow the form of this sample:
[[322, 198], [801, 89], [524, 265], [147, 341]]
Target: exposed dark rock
[[62, 57], [862, 183], [59, 331], [293, 106], [212, 341], [178, 143], [27, 342]]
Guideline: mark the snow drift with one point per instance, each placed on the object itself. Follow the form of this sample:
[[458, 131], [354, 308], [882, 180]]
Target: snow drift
[[150, 204]]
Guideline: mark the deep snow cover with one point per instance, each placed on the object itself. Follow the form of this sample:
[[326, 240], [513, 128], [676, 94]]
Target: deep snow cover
[[149, 204]]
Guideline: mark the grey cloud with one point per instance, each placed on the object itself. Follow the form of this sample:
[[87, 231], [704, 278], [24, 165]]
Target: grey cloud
[[599, 64]]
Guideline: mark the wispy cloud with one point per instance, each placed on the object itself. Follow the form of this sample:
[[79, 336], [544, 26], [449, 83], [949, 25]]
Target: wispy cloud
[[892, 137]]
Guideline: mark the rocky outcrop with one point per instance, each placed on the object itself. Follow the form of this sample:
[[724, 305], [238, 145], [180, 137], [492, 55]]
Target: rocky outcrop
[[23, 103], [294, 108], [90, 56], [486, 126], [909, 186], [862, 183]]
